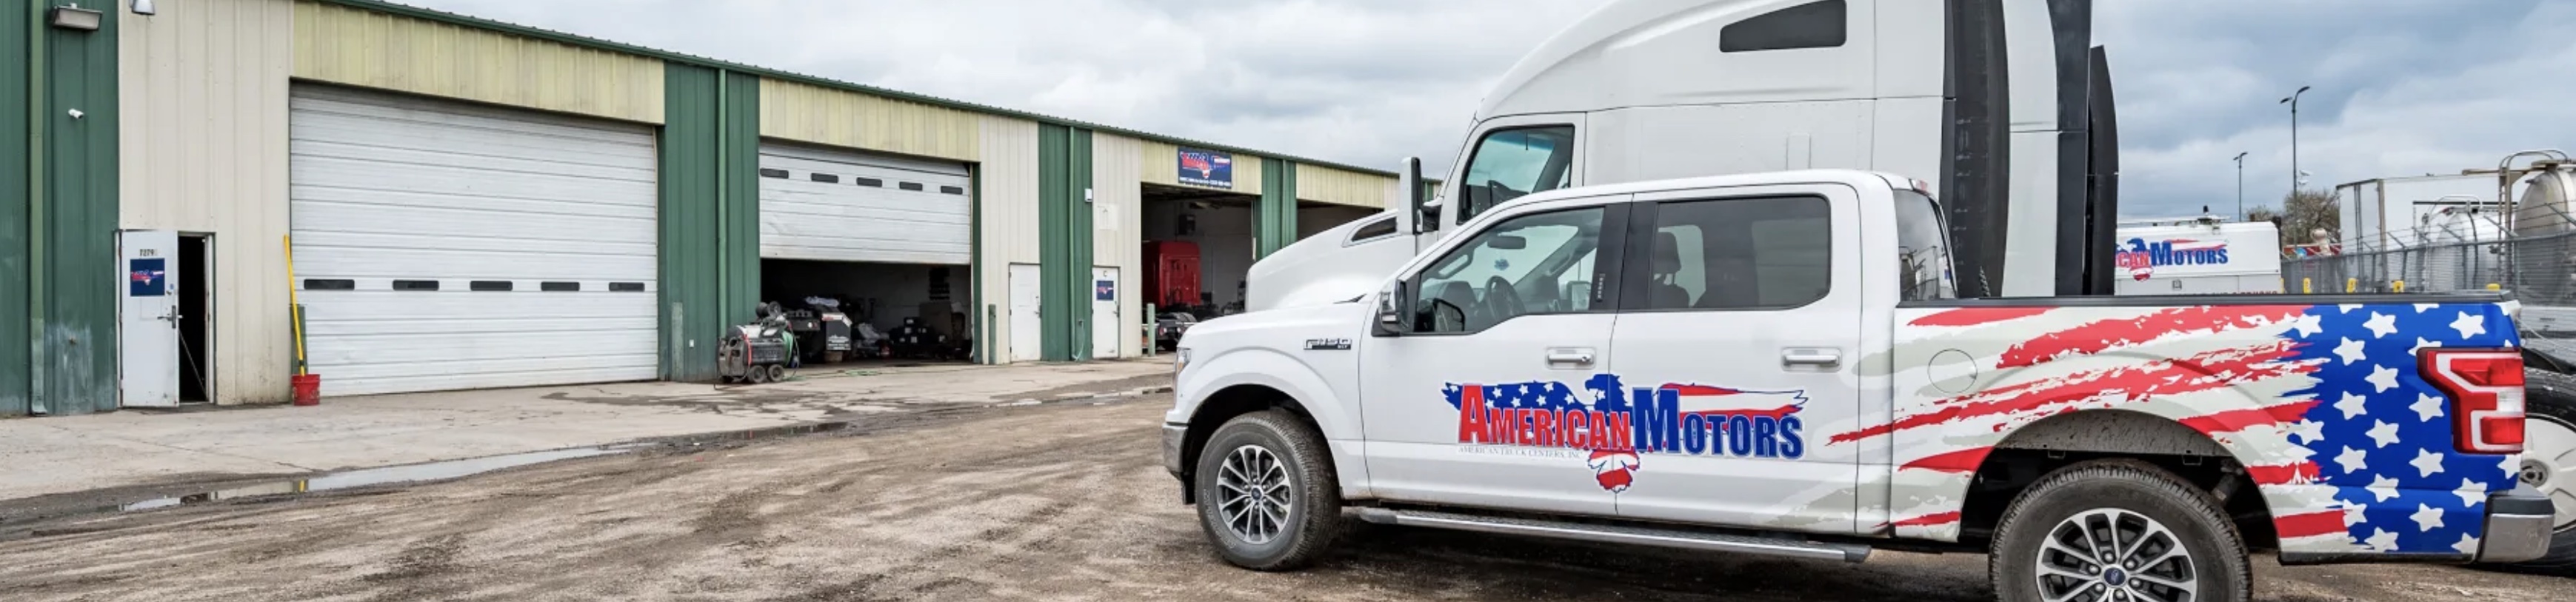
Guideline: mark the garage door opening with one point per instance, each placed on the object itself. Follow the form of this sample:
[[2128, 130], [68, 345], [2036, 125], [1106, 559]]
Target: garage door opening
[[880, 239], [896, 312], [1199, 245]]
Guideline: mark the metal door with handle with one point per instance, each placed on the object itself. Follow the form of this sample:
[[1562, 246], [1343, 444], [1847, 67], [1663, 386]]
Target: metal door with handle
[[148, 318], [1483, 398], [1738, 340]]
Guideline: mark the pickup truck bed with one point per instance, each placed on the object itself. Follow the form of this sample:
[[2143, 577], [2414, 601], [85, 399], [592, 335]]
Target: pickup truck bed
[[2316, 397]]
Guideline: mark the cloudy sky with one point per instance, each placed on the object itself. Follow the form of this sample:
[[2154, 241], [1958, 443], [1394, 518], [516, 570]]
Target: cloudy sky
[[2402, 87]]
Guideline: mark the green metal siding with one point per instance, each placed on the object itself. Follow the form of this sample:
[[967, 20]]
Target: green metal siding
[[710, 276], [1275, 221], [75, 289], [1064, 243], [16, 33]]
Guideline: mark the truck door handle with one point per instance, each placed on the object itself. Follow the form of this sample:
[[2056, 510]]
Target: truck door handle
[[1569, 357], [1811, 356]]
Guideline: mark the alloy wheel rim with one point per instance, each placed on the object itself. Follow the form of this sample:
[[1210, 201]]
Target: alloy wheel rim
[[2115, 555], [2549, 465], [1253, 494]]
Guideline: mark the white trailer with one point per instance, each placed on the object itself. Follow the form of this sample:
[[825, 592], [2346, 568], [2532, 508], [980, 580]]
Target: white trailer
[[2198, 256]]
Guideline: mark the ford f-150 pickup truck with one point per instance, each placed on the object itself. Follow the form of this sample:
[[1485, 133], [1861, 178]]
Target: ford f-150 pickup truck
[[1775, 364]]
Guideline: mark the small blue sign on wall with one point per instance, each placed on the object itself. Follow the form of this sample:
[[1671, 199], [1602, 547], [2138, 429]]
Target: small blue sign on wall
[[1207, 168], [146, 277], [1104, 290]]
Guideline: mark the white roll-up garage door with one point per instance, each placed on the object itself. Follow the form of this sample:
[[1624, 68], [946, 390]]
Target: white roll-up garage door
[[441, 245], [843, 206]]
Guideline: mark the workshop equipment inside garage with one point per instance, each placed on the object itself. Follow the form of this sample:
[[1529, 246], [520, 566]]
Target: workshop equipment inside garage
[[889, 238]]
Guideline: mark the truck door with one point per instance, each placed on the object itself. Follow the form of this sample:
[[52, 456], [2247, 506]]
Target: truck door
[[1481, 396], [1738, 332]]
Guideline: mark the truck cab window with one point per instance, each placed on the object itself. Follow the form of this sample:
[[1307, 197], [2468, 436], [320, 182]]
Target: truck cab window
[[1515, 162], [1751, 253], [1532, 264], [1922, 248]]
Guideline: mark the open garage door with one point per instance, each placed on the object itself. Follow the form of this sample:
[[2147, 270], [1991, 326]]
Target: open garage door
[[881, 240], [826, 205], [443, 245]]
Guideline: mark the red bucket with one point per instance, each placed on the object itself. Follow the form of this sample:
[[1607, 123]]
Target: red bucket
[[308, 389]]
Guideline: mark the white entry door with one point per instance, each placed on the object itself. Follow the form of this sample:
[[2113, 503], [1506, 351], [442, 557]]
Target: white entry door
[[1027, 329], [1105, 327], [148, 320]]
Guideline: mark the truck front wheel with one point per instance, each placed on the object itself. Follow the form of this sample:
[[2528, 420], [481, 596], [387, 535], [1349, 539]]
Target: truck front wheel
[[2117, 531], [1267, 494]]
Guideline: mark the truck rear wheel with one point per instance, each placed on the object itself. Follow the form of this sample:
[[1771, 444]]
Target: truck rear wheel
[[2549, 460], [1267, 494], [2117, 531]]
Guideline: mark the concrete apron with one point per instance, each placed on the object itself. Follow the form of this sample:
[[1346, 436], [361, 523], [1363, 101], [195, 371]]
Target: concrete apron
[[133, 448]]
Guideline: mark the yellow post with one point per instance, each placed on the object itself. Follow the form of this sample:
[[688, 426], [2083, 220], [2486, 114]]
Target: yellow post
[[2399, 284], [2306, 286], [2494, 287], [2351, 285]]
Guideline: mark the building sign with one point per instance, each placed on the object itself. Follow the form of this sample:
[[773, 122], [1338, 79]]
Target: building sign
[[146, 277], [1207, 168], [1104, 290]]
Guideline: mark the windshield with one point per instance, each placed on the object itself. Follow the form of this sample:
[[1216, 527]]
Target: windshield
[[1512, 163], [1922, 246]]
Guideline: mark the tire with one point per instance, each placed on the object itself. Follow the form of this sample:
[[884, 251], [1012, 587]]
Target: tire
[[1299, 530], [758, 375], [2155, 512], [2552, 421], [777, 373]]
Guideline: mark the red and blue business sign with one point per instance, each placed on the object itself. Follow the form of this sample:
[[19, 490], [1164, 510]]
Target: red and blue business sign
[[1206, 168], [1617, 424], [147, 277]]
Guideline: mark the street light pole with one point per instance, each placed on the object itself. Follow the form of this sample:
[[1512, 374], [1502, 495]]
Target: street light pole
[[2293, 101], [2240, 187]]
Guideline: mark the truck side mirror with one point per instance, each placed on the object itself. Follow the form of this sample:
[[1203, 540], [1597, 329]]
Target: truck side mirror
[[1391, 304], [1408, 184]]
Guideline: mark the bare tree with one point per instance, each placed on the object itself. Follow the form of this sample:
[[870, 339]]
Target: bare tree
[[2306, 212]]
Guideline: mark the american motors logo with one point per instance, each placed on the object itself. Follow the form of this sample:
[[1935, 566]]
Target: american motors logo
[[2140, 258], [1619, 424]]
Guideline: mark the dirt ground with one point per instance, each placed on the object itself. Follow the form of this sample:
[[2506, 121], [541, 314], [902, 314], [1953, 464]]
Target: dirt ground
[[1053, 502]]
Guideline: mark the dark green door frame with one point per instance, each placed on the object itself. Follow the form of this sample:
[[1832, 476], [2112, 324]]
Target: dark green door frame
[[1064, 242], [710, 213], [1275, 221], [58, 343]]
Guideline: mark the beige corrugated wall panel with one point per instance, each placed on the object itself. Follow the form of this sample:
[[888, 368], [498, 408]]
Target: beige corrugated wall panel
[[1007, 176], [1117, 229], [820, 115], [1160, 163], [202, 150], [1340, 187], [365, 48]]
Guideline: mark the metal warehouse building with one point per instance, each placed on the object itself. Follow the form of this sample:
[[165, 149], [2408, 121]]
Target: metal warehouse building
[[474, 204]]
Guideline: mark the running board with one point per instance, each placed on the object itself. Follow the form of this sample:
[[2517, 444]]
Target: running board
[[1614, 534]]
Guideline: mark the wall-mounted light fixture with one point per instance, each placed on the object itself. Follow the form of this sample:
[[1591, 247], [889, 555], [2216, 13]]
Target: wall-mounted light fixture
[[75, 17], [143, 7]]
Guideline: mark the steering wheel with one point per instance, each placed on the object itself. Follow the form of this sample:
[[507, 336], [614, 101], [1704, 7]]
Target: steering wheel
[[1501, 302]]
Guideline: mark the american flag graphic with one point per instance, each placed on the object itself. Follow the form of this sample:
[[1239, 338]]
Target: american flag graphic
[[2323, 404]]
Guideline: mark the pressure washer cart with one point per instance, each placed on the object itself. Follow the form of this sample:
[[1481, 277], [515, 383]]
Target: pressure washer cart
[[755, 352]]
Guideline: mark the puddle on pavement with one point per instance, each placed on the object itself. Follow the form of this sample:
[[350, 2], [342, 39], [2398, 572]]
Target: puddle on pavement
[[434, 471]]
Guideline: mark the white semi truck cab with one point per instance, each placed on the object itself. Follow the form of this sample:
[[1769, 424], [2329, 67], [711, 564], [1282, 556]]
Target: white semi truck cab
[[2003, 106], [1779, 364]]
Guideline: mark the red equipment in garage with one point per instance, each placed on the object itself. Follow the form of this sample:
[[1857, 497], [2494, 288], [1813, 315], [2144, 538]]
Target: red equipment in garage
[[1172, 273]]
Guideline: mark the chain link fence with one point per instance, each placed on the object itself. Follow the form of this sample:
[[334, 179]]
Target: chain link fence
[[2539, 270]]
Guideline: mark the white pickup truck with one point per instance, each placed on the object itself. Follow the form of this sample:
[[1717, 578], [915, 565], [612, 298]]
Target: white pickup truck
[[1774, 364]]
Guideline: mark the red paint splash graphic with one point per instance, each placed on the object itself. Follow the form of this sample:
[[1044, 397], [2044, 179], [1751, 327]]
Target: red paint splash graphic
[[2121, 384], [2096, 337], [1937, 518], [2238, 420], [1972, 316], [1960, 462], [2309, 525]]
